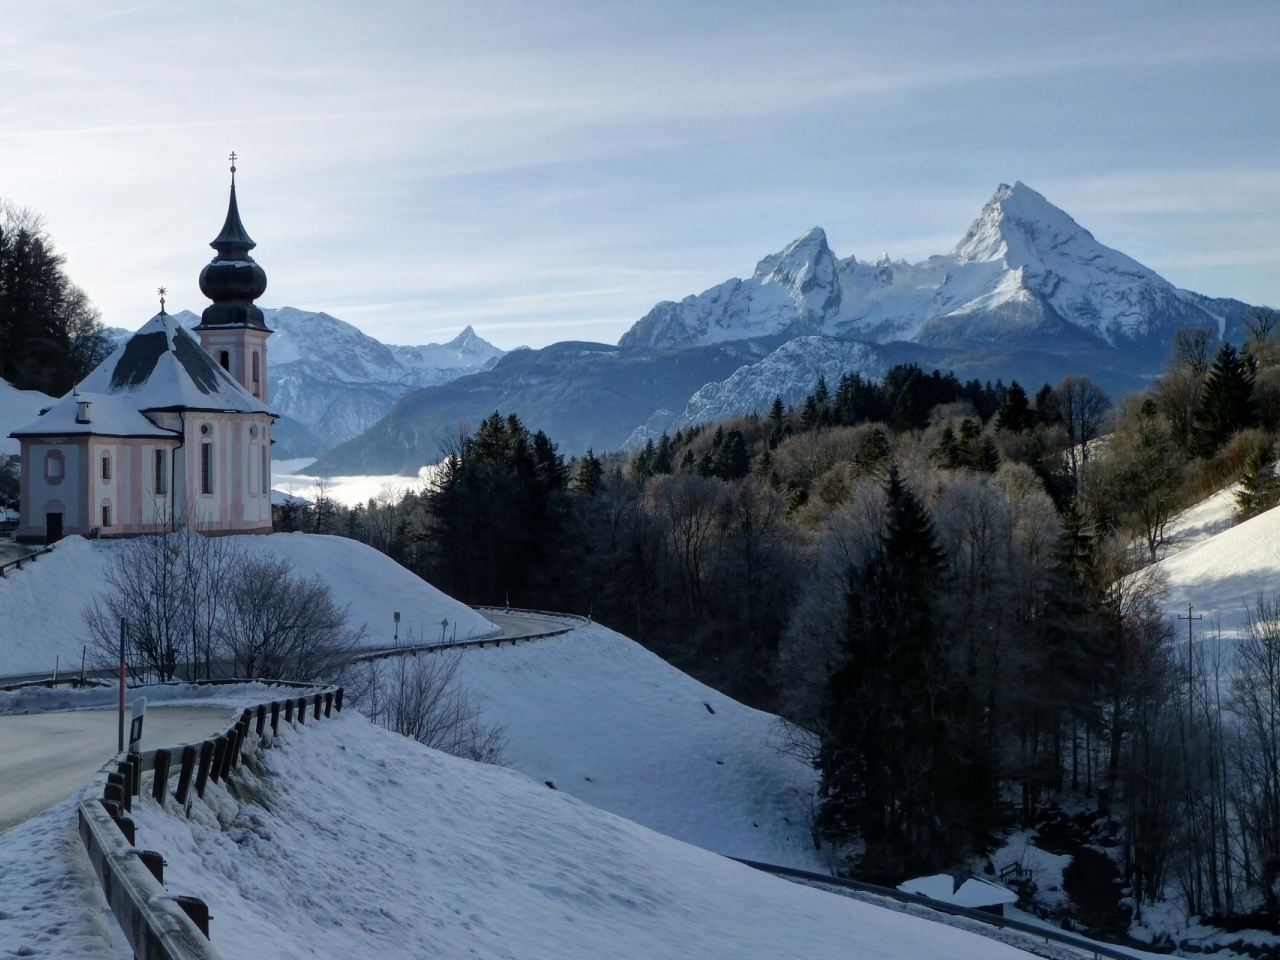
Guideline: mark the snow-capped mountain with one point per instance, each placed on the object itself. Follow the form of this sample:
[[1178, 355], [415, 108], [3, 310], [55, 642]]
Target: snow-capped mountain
[[331, 382], [1025, 274]]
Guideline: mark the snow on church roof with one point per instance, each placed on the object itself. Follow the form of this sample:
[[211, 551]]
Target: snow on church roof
[[161, 367]]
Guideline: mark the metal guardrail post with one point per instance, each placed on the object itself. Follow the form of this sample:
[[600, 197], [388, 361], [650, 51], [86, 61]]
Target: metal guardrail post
[[160, 783], [184, 775], [206, 761]]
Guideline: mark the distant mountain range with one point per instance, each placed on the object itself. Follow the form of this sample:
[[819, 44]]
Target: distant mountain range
[[331, 382], [1027, 293]]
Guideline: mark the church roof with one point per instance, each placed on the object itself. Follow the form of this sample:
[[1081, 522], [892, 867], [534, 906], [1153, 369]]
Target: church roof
[[161, 367], [110, 415]]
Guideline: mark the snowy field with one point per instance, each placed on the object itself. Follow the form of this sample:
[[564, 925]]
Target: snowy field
[[1223, 575], [368, 845], [41, 604], [290, 476], [615, 725]]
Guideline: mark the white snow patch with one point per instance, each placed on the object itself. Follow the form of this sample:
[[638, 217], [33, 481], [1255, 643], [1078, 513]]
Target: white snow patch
[[17, 409], [291, 477]]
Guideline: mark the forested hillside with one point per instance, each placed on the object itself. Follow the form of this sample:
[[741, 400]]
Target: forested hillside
[[925, 574]]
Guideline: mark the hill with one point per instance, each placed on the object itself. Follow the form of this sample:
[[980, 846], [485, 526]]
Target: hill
[[365, 844], [41, 604], [616, 726]]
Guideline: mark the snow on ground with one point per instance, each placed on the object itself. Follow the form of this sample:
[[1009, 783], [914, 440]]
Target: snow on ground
[[17, 409], [1196, 524], [50, 903], [1223, 575], [42, 603], [290, 476], [365, 844], [617, 726]]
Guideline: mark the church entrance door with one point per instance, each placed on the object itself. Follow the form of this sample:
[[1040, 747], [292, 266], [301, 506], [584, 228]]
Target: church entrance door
[[52, 527]]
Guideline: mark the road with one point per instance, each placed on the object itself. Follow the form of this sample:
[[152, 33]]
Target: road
[[46, 757]]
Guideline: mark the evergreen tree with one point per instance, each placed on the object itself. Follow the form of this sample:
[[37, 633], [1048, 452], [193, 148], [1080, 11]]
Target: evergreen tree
[[810, 414], [51, 336], [590, 473], [1259, 485], [1226, 403], [901, 769], [987, 457], [947, 453], [1015, 412], [664, 457]]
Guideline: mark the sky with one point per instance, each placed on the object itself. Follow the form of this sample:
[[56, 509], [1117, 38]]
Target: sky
[[548, 171]]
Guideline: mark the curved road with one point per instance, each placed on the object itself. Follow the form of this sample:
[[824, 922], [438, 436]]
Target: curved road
[[46, 757]]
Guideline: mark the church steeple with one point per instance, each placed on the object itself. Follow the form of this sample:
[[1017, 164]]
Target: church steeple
[[232, 328], [233, 280]]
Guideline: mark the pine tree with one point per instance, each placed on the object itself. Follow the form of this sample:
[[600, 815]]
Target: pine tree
[[1226, 403], [590, 473], [1259, 485], [1015, 412], [901, 770], [664, 457], [947, 452], [987, 458]]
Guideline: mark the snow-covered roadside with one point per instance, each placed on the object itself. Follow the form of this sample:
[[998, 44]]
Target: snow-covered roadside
[[50, 903], [615, 725], [366, 844], [44, 700], [41, 604]]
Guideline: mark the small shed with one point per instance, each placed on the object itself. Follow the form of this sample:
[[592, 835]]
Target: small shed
[[962, 890]]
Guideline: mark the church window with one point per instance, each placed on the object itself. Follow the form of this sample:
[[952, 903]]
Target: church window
[[53, 466], [206, 468], [225, 359], [106, 466], [266, 469], [162, 474], [106, 514]]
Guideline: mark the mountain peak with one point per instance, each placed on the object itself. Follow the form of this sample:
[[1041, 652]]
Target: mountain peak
[[804, 264]]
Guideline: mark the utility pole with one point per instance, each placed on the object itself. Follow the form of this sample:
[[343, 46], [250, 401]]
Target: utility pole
[[1191, 673], [120, 738]]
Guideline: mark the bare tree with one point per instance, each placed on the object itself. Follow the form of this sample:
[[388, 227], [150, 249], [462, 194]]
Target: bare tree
[[1084, 406], [421, 697], [147, 590], [278, 625]]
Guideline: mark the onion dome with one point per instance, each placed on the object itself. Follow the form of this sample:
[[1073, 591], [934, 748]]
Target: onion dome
[[233, 280]]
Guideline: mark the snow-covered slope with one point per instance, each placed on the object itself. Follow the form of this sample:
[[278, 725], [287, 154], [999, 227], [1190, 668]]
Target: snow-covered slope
[[41, 604], [337, 381], [1223, 575], [612, 724], [1025, 274], [369, 845], [17, 409]]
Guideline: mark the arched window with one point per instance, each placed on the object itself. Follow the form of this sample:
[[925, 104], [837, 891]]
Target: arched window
[[255, 373], [224, 358]]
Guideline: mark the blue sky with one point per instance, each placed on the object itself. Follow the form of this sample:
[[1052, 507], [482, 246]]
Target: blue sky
[[549, 171]]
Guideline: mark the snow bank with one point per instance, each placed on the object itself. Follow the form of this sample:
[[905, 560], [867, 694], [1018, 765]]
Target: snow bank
[[1223, 575], [365, 844], [50, 903], [612, 724], [41, 604], [44, 700]]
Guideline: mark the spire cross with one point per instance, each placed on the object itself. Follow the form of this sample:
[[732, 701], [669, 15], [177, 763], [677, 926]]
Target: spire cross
[[233, 166], [162, 291]]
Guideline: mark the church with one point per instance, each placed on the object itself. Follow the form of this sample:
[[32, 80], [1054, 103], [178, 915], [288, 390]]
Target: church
[[167, 432]]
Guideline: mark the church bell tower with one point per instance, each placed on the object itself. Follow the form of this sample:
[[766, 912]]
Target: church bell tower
[[232, 329]]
